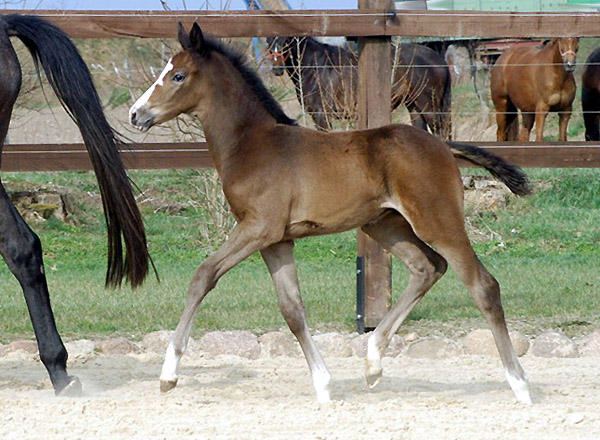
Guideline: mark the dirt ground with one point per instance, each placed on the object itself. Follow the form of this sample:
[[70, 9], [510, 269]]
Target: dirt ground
[[464, 397]]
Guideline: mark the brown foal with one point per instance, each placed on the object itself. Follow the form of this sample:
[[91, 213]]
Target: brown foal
[[535, 80], [399, 184]]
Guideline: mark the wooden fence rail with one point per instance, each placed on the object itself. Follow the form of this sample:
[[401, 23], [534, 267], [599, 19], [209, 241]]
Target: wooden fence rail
[[364, 22], [73, 157], [367, 23]]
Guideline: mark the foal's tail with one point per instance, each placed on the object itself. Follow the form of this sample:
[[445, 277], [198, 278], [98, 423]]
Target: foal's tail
[[511, 175], [70, 79]]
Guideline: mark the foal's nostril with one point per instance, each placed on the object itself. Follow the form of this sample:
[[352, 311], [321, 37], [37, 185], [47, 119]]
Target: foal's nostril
[[133, 117]]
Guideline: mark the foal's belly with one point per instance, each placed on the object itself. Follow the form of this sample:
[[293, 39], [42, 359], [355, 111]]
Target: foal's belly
[[330, 219]]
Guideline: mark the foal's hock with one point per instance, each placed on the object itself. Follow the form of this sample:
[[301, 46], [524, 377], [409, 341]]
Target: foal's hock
[[285, 182]]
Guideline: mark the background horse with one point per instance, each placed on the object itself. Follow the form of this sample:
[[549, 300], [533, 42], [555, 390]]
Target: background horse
[[326, 78], [590, 96], [285, 182], [19, 245], [535, 80]]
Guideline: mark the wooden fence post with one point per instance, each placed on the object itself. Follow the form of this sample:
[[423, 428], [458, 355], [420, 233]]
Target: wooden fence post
[[374, 277]]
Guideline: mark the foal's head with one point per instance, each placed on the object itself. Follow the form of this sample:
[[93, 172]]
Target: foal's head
[[206, 78], [568, 47], [177, 90]]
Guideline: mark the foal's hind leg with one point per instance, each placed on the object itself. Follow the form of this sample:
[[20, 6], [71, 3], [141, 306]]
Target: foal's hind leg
[[243, 242], [449, 238], [280, 261], [425, 266], [22, 251]]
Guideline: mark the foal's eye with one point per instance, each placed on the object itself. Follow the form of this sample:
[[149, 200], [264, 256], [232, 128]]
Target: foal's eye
[[178, 77]]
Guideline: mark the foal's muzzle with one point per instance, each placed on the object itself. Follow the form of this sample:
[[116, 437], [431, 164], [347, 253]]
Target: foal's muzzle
[[141, 119]]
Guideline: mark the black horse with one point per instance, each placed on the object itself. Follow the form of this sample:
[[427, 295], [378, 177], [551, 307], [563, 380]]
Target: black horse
[[325, 78], [590, 96], [20, 247]]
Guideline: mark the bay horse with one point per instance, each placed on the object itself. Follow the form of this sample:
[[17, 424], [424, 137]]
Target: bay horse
[[534, 80], [590, 96], [20, 247], [399, 184], [326, 79]]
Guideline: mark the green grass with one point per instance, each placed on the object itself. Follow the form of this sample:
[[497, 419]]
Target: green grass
[[543, 249]]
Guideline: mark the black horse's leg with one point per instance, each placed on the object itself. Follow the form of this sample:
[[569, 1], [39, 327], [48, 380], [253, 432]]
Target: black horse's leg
[[421, 117], [417, 119], [21, 249]]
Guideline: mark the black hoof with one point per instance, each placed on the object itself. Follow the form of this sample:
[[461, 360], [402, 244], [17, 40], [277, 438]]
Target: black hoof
[[72, 389]]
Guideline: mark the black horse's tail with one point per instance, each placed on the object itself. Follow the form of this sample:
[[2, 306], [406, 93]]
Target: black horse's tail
[[445, 119], [511, 175], [71, 81]]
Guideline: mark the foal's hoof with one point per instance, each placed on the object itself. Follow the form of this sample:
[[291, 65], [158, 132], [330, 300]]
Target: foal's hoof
[[373, 373], [373, 378], [72, 389], [167, 385]]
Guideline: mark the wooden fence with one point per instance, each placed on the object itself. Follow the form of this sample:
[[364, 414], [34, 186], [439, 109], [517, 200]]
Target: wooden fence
[[364, 22], [375, 24], [73, 157]]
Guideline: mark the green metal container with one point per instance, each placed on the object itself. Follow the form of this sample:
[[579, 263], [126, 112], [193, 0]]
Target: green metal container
[[514, 5]]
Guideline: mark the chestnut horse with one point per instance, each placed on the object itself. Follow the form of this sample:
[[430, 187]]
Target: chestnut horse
[[20, 247], [400, 184], [326, 79], [590, 96], [534, 80]]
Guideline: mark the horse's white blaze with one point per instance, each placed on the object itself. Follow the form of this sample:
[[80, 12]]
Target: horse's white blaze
[[169, 369], [519, 387], [143, 100]]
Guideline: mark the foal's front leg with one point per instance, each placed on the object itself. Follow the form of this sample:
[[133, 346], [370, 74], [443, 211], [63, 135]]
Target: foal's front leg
[[243, 242], [425, 266], [280, 261]]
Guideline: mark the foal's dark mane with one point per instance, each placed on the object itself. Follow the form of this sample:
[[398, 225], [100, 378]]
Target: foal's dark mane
[[249, 75]]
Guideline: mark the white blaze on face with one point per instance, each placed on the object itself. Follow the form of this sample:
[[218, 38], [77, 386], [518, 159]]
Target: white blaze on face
[[148, 93]]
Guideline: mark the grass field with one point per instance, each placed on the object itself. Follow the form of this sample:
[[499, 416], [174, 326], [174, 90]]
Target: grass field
[[544, 250]]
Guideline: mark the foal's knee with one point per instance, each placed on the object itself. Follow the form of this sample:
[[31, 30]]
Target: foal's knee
[[488, 300], [293, 312]]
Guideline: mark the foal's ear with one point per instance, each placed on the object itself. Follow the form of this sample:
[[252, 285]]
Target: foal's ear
[[194, 41], [197, 38], [183, 37]]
